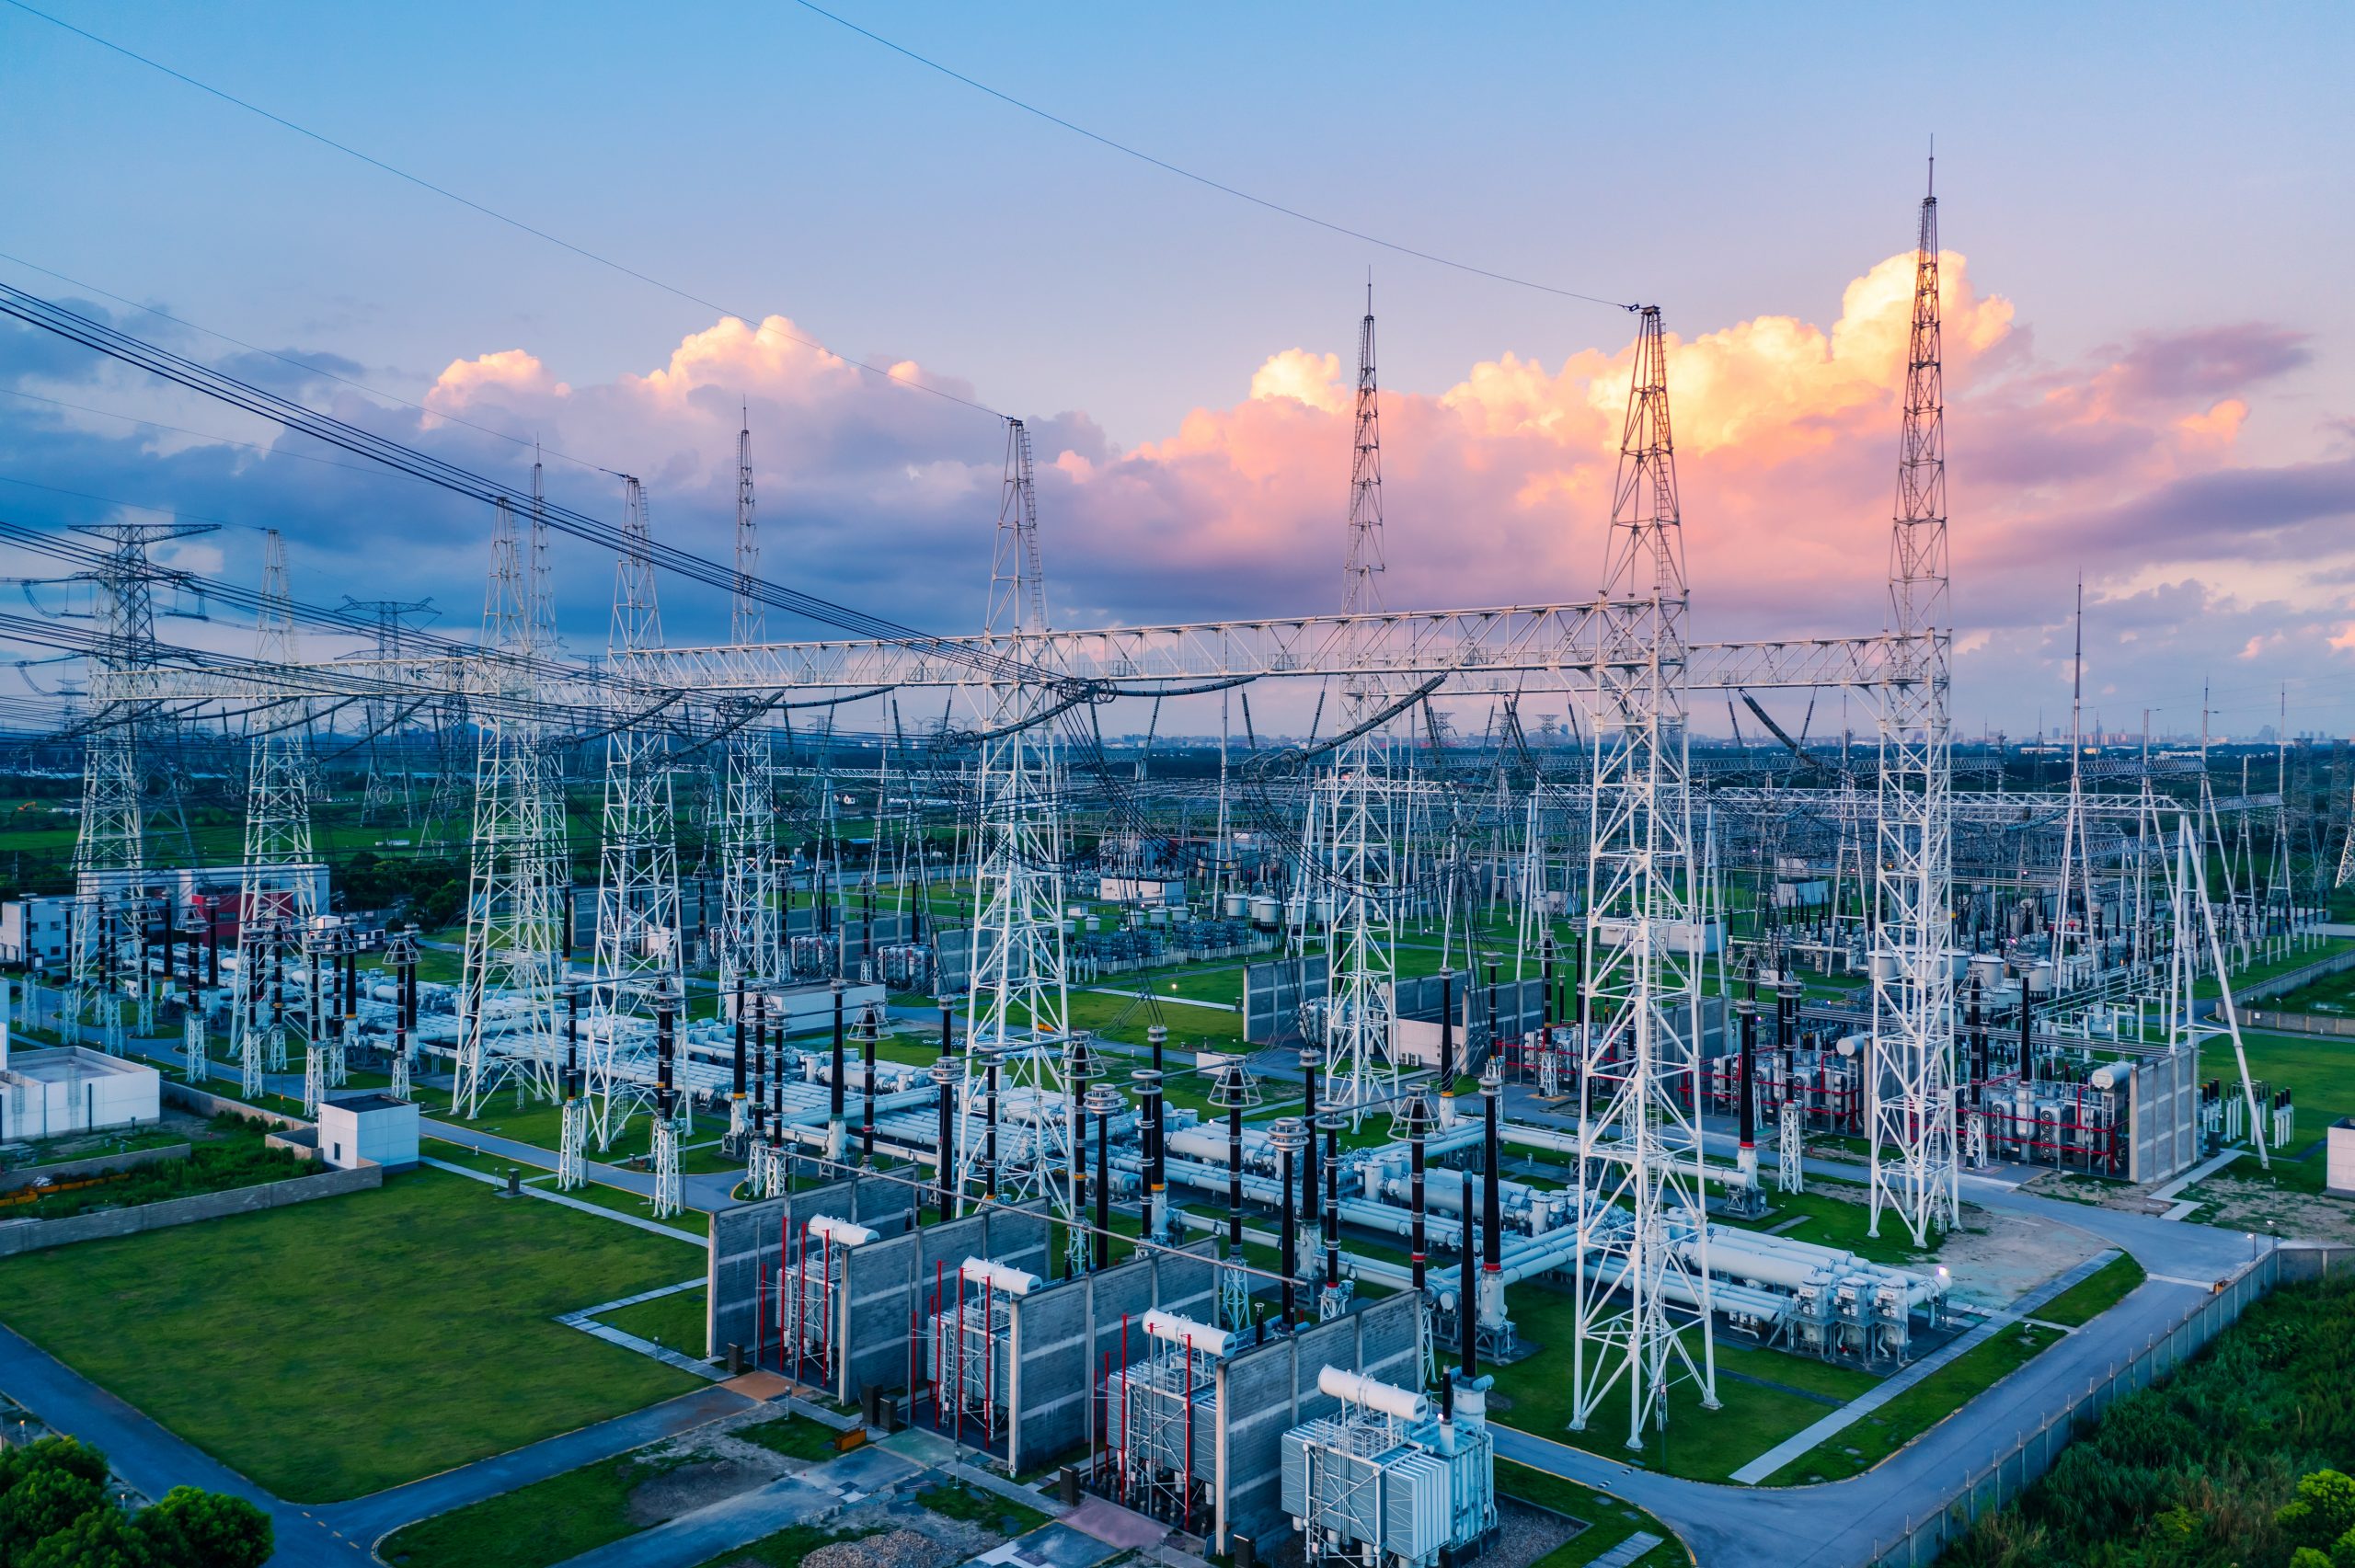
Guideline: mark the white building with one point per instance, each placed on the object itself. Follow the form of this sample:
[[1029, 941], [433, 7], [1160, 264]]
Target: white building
[[372, 1129], [34, 932], [66, 1089]]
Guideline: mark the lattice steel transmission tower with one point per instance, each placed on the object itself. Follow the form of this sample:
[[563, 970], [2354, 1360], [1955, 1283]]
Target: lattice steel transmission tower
[[110, 847], [1018, 1006], [278, 897], [1909, 1083], [1362, 965], [382, 792], [512, 906], [1642, 1296], [637, 958], [750, 913]]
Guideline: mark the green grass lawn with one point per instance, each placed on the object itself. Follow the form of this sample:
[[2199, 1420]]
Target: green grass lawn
[[795, 1437], [954, 1501], [2095, 1294], [1765, 1402], [530, 1526], [335, 1349], [2320, 1075], [1882, 1433], [1836, 1216], [1609, 1521]]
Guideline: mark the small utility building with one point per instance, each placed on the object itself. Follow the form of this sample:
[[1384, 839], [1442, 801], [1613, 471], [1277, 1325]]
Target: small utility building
[[368, 1129]]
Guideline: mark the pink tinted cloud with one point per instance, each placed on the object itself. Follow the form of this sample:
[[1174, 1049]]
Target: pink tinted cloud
[[2128, 466]]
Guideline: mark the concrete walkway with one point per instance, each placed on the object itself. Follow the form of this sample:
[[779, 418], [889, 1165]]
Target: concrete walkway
[[653, 1226]]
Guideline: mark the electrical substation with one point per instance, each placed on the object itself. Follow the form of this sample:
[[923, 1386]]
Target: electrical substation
[[1259, 1288]]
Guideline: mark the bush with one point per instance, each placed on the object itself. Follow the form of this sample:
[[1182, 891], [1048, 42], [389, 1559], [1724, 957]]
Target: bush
[[2221, 1463]]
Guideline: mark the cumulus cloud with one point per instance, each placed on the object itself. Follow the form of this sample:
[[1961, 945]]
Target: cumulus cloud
[[2127, 465]]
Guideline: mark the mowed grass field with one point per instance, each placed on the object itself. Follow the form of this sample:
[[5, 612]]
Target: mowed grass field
[[336, 1348]]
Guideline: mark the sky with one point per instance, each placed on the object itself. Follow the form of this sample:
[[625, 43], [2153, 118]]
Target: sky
[[2149, 361]]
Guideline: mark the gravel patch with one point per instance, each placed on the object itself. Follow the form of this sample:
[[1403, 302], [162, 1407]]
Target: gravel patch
[[892, 1548], [696, 1485], [1525, 1534]]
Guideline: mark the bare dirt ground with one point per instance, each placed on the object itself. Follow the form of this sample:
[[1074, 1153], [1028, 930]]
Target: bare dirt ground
[[2232, 1203], [1995, 1256], [698, 1484], [2097, 1194]]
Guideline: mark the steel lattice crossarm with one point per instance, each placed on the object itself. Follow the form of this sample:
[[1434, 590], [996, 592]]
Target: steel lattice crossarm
[[1499, 650], [1985, 808]]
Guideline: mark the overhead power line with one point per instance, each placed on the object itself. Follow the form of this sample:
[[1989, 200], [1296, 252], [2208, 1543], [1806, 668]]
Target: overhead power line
[[1201, 179], [880, 372], [218, 384]]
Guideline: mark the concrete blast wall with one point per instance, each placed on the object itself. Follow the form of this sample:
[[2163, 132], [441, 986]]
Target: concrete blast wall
[[1064, 1334], [749, 1241], [888, 1289], [1269, 1389]]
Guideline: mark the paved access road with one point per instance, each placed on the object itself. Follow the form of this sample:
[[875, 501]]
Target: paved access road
[[1837, 1524], [329, 1535]]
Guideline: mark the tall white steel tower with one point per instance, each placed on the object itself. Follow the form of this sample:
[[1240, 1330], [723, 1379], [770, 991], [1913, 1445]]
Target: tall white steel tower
[[1018, 1006], [637, 956], [512, 907], [279, 895], [110, 849], [1910, 1084], [1362, 965], [749, 910], [1642, 1300]]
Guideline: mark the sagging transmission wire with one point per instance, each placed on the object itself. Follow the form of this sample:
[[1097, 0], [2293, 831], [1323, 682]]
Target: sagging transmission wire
[[161, 363]]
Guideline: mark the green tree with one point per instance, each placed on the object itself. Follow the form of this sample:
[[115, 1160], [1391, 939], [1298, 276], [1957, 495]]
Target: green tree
[[2322, 1514], [101, 1538], [44, 1501], [68, 1454], [194, 1529]]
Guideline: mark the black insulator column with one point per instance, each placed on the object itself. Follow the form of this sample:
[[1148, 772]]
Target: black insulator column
[[944, 1075], [1746, 1118], [760, 1070], [571, 1045], [1492, 1228], [1235, 1165], [1332, 1200], [1418, 1123], [1288, 1137], [2027, 1032], [1496, 1034], [1148, 1082], [737, 1073], [867, 1105], [834, 1101], [1977, 1029], [665, 1052], [1157, 1149], [1104, 1178], [1309, 1061], [989, 1130]]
